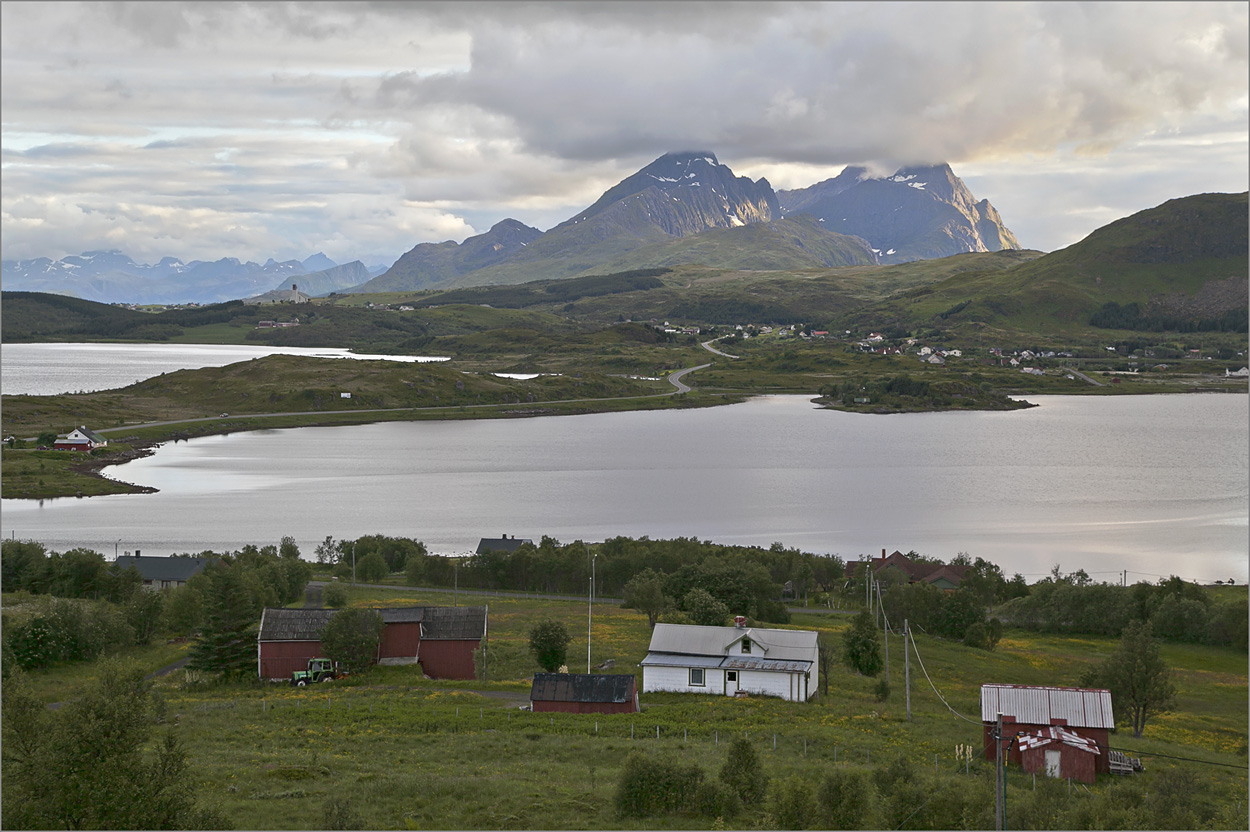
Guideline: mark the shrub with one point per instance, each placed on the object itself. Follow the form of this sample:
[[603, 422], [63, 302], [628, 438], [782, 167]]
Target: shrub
[[881, 690], [742, 773], [714, 799], [67, 630], [649, 786], [334, 595], [860, 648], [843, 799], [338, 813], [704, 609], [792, 806], [549, 642]]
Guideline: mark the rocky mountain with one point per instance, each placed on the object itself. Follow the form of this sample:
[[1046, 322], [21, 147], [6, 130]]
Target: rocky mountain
[[113, 277], [432, 264], [334, 279], [917, 213]]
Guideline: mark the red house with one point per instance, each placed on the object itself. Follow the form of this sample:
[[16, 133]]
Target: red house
[[585, 693], [1028, 711], [440, 639], [946, 577], [79, 439]]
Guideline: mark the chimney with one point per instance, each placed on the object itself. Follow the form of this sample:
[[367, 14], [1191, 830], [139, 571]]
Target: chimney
[[883, 555], [740, 621]]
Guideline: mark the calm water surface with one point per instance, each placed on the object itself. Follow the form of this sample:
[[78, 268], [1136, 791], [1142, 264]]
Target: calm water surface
[[1156, 485], [52, 369]]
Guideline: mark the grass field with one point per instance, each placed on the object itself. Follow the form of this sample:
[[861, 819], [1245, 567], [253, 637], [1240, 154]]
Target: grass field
[[414, 753]]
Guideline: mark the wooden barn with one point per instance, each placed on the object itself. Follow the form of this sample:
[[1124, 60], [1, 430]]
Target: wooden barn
[[585, 693], [1030, 710], [1059, 753], [440, 639]]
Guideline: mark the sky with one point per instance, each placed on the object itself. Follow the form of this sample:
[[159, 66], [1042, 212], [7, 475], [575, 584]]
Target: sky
[[258, 130]]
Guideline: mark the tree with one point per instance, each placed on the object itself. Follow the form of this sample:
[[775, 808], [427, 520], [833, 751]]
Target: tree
[[227, 642], [826, 655], [860, 648], [372, 568], [792, 804], [645, 592], [549, 642], [91, 765], [327, 551], [47, 439], [844, 798], [288, 548], [704, 609], [1139, 681], [351, 638]]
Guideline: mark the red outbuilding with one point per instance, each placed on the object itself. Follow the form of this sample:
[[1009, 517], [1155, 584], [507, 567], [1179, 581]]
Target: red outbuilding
[[1030, 710], [441, 639], [585, 693], [1059, 753]]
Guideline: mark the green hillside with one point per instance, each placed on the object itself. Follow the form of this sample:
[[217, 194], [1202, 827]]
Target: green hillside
[[1187, 257]]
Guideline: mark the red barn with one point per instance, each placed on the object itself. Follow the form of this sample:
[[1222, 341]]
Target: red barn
[[441, 639], [1059, 753], [1027, 710], [585, 693]]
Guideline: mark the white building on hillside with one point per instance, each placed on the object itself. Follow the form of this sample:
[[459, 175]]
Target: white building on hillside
[[728, 660]]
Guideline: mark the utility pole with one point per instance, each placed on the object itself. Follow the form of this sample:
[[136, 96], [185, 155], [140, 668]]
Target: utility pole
[[886, 621], [590, 606], [907, 666], [998, 773]]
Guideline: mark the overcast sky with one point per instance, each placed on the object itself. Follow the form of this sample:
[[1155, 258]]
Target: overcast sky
[[257, 130]]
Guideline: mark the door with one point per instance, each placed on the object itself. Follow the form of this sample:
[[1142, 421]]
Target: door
[[731, 682], [1052, 763]]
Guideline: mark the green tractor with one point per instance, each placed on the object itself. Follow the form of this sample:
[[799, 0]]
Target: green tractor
[[319, 670]]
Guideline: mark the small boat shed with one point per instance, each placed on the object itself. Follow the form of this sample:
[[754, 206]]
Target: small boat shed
[[585, 693]]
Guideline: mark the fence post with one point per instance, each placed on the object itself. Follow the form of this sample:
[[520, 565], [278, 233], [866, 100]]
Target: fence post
[[805, 746], [717, 736], [631, 730], [774, 741], [657, 732], [835, 754], [683, 733]]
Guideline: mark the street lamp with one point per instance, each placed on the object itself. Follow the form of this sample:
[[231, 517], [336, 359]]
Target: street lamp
[[115, 545], [590, 605]]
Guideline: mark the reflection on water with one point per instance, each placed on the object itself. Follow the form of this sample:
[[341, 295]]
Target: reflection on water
[[1156, 485]]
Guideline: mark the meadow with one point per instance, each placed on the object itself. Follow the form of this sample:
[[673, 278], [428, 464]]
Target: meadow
[[407, 752]]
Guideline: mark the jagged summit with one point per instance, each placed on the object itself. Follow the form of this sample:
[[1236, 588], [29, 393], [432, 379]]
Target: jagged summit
[[918, 212]]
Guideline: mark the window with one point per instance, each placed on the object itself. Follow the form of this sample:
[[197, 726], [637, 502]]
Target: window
[[731, 676], [746, 645], [696, 677]]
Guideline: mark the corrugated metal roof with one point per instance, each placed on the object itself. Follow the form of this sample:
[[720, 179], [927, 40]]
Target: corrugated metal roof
[[1049, 735], [690, 639], [680, 660], [582, 687], [1078, 707], [759, 663], [402, 615]]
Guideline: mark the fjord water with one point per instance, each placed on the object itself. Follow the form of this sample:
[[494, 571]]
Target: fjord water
[[1155, 485], [52, 369]]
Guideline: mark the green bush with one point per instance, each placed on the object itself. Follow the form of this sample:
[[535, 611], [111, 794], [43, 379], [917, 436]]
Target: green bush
[[68, 630], [334, 595], [844, 799], [351, 638], [791, 804], [372, 568], [549, 642], [742, 772], [649, 786], [338, 813], [881, 690], [713, 799]]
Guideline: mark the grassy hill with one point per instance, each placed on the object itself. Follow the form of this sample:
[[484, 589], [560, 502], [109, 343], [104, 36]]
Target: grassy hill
[[1187, 255]]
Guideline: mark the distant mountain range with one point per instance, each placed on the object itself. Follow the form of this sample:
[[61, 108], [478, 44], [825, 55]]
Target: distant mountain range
[[682, 208], [689, 208], [113, 277]]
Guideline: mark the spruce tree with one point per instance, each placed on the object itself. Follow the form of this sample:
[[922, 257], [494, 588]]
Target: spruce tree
[[227, 641]]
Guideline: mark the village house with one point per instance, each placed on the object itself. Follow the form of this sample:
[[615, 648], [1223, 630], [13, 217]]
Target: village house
[[730, 661], [1063, 732], [79, 439], [440, 639], [946, 577], [501, 544], [294, 295], [584, 693], [163, 573]]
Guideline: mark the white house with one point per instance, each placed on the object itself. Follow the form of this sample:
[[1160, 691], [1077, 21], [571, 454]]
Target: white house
[[727, 660]]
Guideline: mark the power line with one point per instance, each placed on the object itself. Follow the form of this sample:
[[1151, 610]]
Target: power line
[[1171, 757], [935, 690]]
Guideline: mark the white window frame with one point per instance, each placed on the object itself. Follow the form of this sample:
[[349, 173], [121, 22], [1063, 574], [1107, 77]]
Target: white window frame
[[700, 674]]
